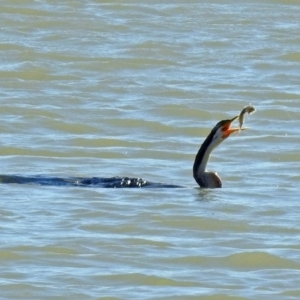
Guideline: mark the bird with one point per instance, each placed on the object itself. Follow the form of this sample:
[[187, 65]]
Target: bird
[[218, 134], [204, 178]]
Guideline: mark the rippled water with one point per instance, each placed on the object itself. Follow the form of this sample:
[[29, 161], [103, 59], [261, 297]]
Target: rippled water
[[101, 89]]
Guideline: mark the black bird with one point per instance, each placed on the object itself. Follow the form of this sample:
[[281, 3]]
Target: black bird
[[204, 178]]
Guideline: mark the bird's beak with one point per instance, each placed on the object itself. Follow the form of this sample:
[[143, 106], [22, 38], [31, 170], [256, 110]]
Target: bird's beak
[[227, 131]]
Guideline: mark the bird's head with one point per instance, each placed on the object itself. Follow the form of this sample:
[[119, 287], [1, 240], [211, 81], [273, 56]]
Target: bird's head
[[222, 131]]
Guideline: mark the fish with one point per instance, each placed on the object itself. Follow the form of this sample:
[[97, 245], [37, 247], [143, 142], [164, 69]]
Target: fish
[[247, 109]]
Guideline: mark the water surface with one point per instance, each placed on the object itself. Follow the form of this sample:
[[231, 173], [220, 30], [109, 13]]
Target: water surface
[[101, 89]]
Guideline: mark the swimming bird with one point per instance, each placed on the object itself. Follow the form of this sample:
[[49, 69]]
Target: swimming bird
[[218, 134], [204, 178]]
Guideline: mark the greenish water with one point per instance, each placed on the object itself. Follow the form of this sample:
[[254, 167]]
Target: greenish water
[[102, 89]]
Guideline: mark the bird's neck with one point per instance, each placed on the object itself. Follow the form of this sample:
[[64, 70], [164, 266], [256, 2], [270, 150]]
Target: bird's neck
[[202, 158]]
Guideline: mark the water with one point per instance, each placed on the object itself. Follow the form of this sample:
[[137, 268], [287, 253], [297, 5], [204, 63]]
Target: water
[[101, 89]]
